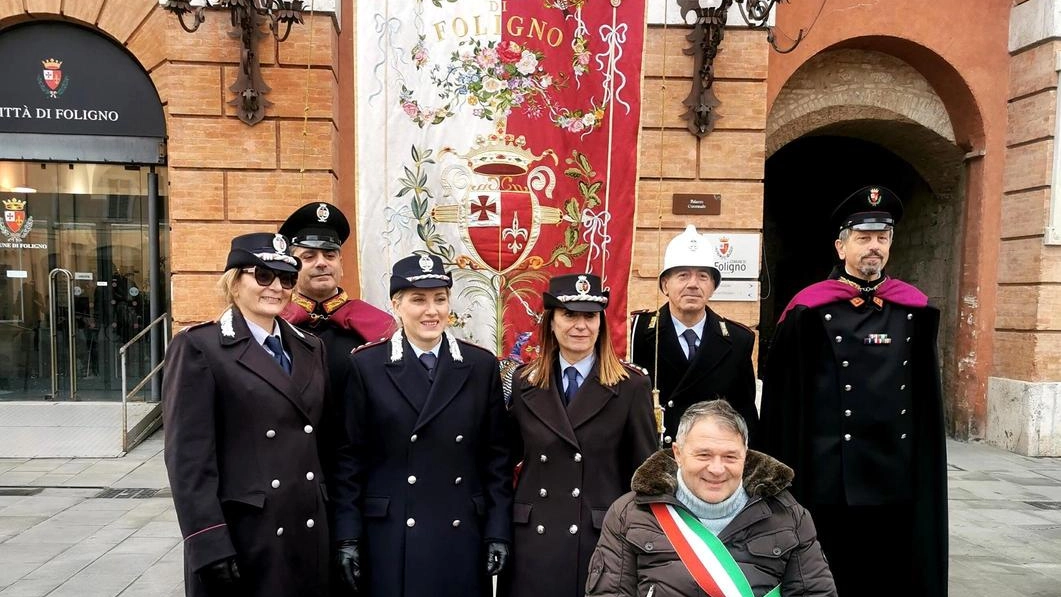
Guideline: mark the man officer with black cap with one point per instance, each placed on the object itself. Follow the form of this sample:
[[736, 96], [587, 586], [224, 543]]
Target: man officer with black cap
[[701, 355], [852, 402], [319, 305]]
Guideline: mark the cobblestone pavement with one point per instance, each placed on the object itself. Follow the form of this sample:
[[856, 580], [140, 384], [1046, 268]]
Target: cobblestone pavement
[[106, 527]]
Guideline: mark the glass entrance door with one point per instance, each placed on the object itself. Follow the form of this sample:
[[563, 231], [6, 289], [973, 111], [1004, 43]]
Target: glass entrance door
[[74, 277]]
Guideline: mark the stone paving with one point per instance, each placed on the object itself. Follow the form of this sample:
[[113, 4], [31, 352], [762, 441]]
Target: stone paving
[[106, 527]]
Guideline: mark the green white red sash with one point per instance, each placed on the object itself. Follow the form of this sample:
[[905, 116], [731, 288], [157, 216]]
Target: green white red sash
[[706, 558]]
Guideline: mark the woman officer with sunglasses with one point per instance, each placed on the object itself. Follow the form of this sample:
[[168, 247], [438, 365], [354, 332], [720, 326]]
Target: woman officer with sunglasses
[[247, 422]]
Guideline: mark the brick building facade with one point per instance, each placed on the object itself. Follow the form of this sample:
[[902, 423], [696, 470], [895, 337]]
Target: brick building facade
[[956, 106]]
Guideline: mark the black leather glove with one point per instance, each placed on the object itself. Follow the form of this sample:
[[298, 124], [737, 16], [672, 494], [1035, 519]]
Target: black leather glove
[[221, 578], [496, 557], [348, 559]]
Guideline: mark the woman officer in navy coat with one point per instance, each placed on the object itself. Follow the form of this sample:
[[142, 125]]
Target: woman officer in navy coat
[[247, 423], [433, 479]]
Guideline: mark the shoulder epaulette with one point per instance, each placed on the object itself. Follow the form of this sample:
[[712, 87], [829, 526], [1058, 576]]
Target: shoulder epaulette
[[198, 325], [634, 367], [368, 344], [739, 325], [474, 345]]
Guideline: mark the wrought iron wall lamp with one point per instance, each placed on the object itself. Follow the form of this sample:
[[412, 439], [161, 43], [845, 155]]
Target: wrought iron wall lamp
[[247, 16], [708, 30]]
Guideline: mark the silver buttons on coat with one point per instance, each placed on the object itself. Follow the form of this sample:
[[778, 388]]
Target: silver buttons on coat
[[457, 481], [412, 438], [544, 458], [542, 492], [410, 523], [578, 457], [909, 316], [459, 439], [270, 434], [540, 529], [575, 492], [308, 429], [309, 476], [279, 531], [847, 437], [828, 317], [670, 404], [839, 339], [456, 523], [847, 388], [309, 523], [412, 479], [572, 529], [276, 483], [844, 364], [847, 413]]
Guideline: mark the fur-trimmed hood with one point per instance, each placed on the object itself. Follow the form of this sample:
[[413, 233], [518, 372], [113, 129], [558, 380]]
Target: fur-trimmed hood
[[764, 475]]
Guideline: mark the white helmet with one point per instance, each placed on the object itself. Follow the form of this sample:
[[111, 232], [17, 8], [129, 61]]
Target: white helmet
[[690, 249]]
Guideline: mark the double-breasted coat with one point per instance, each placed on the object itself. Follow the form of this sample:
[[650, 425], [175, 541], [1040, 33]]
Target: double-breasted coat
[[721, 367], [243, 451], [432, 475], [577, 460]]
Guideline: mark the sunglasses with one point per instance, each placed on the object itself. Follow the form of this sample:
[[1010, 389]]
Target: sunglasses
[[265, 276]]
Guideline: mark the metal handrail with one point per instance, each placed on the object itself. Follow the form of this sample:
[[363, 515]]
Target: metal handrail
[[126, 393], [52, 275]]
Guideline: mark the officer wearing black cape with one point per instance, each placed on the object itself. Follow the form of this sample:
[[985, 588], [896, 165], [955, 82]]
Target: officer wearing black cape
[[852, 402]]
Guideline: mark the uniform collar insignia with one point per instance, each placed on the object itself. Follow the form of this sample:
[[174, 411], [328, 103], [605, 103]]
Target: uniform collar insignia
[[306, 303], [332, 304], [226, 324], [397, 349], [327, 307]]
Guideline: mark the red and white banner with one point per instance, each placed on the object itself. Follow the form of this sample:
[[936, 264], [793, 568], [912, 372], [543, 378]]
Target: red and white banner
[[502, 136]]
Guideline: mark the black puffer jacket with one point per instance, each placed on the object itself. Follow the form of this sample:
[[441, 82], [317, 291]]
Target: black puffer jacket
[[772, 539]]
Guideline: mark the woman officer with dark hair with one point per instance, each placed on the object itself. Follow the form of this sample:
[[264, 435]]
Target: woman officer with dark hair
[[244, 407], [586, 423]]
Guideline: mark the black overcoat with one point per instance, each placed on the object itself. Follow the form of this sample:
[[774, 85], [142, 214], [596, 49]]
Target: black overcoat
[[243, 446], [576, 461], [721, 368], [433, 482], [852, 402]]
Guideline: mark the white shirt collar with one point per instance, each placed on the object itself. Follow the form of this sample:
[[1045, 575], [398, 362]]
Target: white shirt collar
[[260, 334], [434, 349], [583, 367], [698, 327]]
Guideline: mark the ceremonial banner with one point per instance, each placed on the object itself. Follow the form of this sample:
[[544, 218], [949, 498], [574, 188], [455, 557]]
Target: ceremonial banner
[[500, 135]]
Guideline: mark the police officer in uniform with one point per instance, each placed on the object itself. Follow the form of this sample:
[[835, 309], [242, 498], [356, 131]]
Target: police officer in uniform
[[433, 477], [585, 424], [852, 402], [319, 305], [248, 424], [701, 355]]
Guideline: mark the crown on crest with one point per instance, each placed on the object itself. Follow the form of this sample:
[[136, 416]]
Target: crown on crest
[[501, 154], [52, 63], [14, 204]]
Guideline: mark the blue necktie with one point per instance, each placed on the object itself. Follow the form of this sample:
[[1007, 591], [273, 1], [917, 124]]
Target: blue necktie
[[572, 384], [691, 339], [429, 360], [273, 344]]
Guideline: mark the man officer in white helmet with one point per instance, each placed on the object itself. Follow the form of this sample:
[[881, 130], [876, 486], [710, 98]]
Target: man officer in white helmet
[[701, 355]]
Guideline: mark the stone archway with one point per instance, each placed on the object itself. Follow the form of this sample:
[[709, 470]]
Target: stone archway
[[877, 119]]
